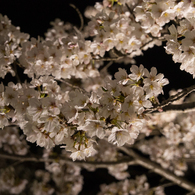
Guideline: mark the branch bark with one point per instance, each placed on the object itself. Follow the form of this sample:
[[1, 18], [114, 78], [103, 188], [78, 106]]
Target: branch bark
[[159, 170]]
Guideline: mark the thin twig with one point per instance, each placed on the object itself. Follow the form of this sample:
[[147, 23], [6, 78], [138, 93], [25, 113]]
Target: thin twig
[[166, 185], [110, 59], [80, 16], [163, 186], [72, 86], [103, 69], [180, 108], [114, 52], [159, 170]]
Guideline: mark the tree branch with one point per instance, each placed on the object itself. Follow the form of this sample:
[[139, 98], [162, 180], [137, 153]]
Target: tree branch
[[138, 160], [159, 170], [96, 164], [171, 99]]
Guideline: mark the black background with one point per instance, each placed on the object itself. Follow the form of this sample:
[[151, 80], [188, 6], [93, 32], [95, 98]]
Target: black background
[[34, 18]]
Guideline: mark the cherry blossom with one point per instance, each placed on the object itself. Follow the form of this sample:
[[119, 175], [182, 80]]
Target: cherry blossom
[[79, 115]]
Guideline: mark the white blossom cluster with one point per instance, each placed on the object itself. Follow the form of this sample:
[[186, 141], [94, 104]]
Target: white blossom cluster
[[50, 117], [57, 178], [169, 156], [10, 45], [181, 44], [62, 57], [114, 27], [66, 179], [138, 186], [65, 55], [153, 15], [129, 33], [10, 182], [12, 142]]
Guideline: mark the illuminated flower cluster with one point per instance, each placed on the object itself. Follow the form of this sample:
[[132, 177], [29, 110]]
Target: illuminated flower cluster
[[10, 45], [138, 186], [181, 44]]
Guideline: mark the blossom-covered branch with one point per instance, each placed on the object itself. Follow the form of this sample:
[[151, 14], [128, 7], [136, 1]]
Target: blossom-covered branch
[[70, 101]]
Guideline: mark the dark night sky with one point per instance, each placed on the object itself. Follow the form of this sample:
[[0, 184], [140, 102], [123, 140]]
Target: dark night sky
[[34, 18]]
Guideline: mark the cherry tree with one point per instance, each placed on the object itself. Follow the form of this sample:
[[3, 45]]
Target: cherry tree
[[62, 111]]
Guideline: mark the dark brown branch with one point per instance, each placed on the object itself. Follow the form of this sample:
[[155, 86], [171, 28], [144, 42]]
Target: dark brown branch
[[96, 164], [159, 170], [130, 11]]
